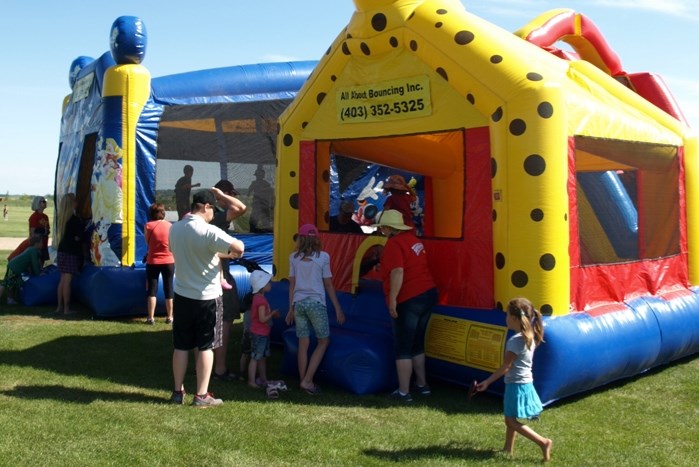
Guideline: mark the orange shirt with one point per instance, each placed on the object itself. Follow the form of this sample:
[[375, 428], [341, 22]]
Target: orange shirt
[[157, 237]]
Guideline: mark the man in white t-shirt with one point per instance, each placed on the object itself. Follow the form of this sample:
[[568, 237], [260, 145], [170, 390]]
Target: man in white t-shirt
[[198, 307]]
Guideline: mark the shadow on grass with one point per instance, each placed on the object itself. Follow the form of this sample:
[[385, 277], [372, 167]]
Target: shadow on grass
[[142, 358], [452, 450], [132, 358], [75, 395]]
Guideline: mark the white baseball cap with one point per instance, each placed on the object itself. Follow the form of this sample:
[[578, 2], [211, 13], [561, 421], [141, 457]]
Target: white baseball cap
[[258, 279]]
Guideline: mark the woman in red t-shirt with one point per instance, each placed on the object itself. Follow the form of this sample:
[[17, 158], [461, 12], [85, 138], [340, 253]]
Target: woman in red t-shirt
[[410, 294], [159, 261], [39, 225]]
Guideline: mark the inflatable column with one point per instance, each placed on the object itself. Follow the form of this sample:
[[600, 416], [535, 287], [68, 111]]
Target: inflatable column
[[126, 90]]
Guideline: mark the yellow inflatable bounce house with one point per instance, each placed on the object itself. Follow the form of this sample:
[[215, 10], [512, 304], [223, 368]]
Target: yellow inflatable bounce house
[[544, 173]]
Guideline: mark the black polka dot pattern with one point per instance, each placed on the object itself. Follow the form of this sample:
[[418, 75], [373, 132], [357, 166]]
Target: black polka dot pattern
[[464, 37], [545, 110], [499, 260], [497, 115], [520, 279], [534, 165], [518, 127], [547, 262], [520, 133], [378, 22]]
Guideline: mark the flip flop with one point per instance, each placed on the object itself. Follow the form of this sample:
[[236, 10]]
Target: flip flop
[[473, 389]]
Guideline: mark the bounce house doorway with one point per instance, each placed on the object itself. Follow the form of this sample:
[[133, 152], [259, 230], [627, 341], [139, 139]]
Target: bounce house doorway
[[453, 211]]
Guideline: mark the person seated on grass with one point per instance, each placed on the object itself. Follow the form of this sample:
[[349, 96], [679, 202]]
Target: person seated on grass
[[39, 232], [27, 261]]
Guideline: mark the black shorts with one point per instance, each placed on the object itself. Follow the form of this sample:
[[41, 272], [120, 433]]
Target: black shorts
[[410, 327], [153, 271], [231, 303], [197, 323]]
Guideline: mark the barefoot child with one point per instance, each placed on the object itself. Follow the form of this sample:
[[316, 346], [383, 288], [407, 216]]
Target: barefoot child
[[309, 280], [521, 400], [260, 328]]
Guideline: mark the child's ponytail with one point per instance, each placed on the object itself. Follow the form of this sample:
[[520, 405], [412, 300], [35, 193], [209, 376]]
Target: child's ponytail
[[530, 320]]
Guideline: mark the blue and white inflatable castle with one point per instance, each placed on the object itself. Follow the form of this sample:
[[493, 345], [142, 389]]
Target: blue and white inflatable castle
[[125, 139]]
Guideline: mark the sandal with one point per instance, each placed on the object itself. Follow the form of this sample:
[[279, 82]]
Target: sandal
[[472, 390], [279, 385], [272, 392]]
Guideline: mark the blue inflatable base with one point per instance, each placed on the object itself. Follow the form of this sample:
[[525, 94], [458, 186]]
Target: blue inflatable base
[[581, 351], [110, 292]]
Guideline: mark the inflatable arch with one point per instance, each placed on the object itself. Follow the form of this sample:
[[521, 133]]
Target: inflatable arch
[[125, 139], [547, 174]]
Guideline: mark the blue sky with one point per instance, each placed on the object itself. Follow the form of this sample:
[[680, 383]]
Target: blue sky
[[41, 39]]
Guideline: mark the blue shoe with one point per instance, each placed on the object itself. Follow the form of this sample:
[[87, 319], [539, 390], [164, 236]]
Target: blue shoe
[[397, 396], [177, 397], [423, 390]]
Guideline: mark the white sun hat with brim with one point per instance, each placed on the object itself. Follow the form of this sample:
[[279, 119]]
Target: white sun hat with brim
[[393, 219], [258, 279]]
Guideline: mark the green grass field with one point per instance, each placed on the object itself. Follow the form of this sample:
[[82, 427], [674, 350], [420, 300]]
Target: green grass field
[[89, 392]]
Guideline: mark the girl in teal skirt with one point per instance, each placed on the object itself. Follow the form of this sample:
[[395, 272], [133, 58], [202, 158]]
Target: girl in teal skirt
[[521, 402]]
